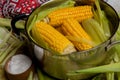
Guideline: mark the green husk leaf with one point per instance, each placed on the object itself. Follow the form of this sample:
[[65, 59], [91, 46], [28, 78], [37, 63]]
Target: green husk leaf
[[40, 75], [9, 44], [11, 49], [100, 16], [96, 17], [93, 28], [99, 12], [12, 52], [4, 40], [117, 47], [113, 67], [105, 24], [30, 77], [110, 76], [3, 31], [32, 23], [118, 76], [118, 33], [5, 22]]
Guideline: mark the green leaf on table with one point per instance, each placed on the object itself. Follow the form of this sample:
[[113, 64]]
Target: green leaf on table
[[113, 67]]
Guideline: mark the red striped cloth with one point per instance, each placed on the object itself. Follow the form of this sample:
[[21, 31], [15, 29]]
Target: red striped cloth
[[10, 8], [1, 6]]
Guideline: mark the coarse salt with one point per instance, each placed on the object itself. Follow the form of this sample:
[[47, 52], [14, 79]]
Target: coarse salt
[[19, 64]]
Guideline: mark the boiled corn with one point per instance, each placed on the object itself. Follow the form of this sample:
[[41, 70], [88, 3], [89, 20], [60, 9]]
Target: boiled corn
[[80, 13], [71, 27], [52, 37]]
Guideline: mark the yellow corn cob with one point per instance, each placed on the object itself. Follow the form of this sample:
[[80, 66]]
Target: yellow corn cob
[[71, 27], [79, 13], [52, 37]]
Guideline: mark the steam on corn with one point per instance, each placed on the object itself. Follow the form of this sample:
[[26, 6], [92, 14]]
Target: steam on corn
[[52, 37], [71, 27], [79, 13]]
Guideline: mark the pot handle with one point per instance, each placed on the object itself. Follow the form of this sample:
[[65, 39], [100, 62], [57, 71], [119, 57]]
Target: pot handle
[[14, 20], [112, 44]]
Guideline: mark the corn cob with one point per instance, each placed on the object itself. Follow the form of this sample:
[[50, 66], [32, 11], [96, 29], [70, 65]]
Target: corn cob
[[71, 27], [52, 37], [80, 13]]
